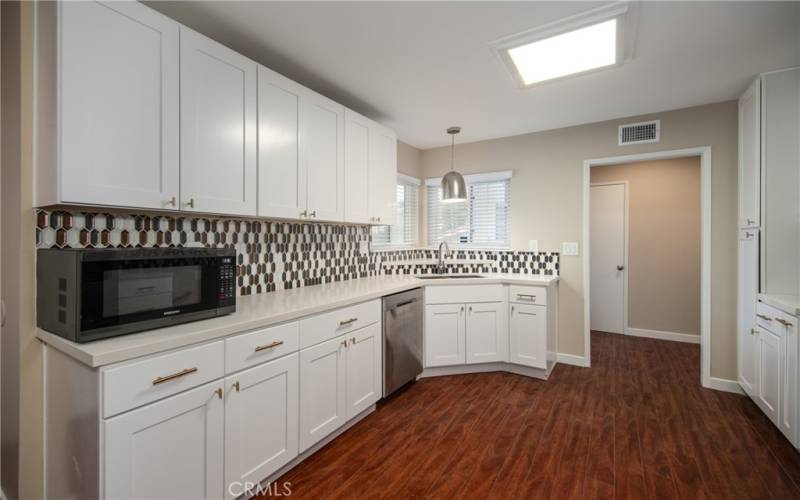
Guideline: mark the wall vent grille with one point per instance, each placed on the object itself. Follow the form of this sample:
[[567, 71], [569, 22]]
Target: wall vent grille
[[640, 133]]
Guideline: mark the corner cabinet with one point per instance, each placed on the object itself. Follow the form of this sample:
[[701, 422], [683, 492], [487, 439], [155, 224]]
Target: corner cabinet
[[135, 110], [218, 128], [107, 105]]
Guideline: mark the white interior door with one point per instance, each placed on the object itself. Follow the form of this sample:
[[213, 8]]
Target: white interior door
[[607, 260]]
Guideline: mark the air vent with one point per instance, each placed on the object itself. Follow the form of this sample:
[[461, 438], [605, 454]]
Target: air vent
[[639, 133]]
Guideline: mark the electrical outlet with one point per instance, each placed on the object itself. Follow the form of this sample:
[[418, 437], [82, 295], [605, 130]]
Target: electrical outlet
[[569, 248]]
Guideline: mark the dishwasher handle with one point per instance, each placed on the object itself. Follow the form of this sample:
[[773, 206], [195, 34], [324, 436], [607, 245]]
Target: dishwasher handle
[[402, 304]]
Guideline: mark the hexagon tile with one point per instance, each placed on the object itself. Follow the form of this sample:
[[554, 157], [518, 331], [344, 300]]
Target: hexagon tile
[[273, 255]]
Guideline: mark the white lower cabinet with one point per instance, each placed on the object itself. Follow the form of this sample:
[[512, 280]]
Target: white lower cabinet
[[444, 334], [261, 422], [323, 382], [768, 394], [528, 335], [486, 333], [169, 449], [364, 369], [788, 411]]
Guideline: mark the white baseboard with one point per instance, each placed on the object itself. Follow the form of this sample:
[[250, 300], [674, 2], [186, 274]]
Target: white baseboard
[[656, 334], [722, 384], [439, 371], [572, 359]]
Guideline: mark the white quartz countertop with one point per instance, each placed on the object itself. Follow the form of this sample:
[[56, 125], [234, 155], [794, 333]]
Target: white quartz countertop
[[790, 304], [262, 310]]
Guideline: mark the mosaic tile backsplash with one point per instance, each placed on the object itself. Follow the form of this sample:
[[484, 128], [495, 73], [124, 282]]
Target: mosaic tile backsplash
[[276, 255]]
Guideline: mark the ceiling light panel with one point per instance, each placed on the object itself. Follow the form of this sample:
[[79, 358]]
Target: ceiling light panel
[[573, 52]]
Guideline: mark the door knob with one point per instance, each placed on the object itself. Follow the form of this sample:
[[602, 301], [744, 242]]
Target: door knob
[[620, 268]]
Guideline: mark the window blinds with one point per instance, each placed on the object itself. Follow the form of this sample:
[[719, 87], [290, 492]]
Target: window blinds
[[404, 231]]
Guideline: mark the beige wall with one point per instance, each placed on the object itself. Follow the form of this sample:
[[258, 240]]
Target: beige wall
[[664, 234], [409, 160], [546, 194]]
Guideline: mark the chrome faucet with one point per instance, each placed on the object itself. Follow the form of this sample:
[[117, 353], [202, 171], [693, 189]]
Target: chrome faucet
[[440, 267]]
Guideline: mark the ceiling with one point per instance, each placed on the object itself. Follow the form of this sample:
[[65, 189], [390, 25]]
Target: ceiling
[[420, 67]]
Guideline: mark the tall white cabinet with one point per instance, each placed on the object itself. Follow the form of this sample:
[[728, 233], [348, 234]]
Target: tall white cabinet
[[769, 246]]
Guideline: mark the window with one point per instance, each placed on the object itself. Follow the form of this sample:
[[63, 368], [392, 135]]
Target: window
[[483, 220], [404, 231]]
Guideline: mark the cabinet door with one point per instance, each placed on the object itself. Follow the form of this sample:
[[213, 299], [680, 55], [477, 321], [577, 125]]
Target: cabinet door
[[118, 105], [750, 156], [769, 375], [444, 335], [487, 333], [322, 131], [747, 292], [281, 167], [364, 373], [788, 419], [528, 335], [261, 421], [169, 449], [218, 127], [323, 382], [357, 168], [383, 174]]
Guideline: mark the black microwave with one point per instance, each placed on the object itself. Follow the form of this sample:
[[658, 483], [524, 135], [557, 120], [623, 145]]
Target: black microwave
[[91, 294]]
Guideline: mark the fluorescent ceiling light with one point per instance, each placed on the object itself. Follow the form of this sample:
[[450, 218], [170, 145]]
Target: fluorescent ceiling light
[[572, 52]]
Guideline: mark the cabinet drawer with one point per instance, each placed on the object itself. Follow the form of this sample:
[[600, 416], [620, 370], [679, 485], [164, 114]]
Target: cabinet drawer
[[328, 325], [767, 318], [460, 294], [140, 382], [528, 295], [256, 347]]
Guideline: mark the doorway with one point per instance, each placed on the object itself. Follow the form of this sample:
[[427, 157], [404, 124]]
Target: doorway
[[609, 237], [704, 154]]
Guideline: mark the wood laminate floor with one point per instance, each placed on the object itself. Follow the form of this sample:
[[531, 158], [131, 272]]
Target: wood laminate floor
[[635, 425]]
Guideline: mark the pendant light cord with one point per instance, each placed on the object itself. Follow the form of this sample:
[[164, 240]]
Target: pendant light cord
[[452, 151]]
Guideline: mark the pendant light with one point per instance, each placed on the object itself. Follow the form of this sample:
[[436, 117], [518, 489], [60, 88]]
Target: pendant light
[[454, 188]]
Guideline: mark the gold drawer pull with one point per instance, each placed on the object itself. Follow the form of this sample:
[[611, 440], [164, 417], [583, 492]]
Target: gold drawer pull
[[269, 346], [348, 322], [167, 378], [526, 296], [783, 322], [765, 318]]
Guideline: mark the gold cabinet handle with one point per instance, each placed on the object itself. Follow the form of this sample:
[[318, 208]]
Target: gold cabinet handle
[[190, 203], [783, 322], [172, 201], [268, 346], [512, 309], [526, 296], [753, 331], [236, 386], [218, 392], [348, 321], [765, 318], [304, 214], [167, 378], [344, 342], [313, 213]]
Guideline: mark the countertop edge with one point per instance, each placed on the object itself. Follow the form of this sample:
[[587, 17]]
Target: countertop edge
[[211, 332]]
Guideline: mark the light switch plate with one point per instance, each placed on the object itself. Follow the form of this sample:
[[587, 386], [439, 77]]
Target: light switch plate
[[569, 248], [533, 245]]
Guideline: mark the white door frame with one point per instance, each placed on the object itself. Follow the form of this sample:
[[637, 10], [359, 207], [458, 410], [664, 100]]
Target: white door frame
[[625, 248], [704, 152]]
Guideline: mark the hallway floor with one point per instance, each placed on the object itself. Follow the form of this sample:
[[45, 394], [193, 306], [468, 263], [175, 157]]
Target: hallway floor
[[635, 425]]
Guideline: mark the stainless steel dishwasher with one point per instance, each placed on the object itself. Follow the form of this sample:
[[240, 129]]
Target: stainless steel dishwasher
[[402, 339]]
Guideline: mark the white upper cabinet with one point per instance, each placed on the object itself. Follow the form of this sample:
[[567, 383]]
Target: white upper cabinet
[[118, 108], [322, 131], [357, 168], [750, 156], [218, 127], [383, 174], [281, 165]]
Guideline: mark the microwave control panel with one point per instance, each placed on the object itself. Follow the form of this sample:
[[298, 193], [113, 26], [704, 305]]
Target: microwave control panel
[[227, 280]]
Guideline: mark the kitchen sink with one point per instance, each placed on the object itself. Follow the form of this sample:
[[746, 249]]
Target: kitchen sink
[[447, 276]]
